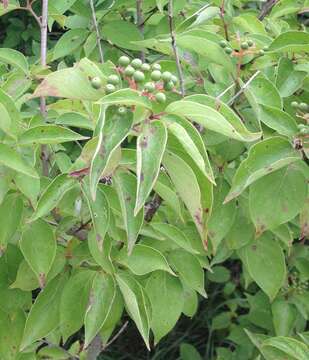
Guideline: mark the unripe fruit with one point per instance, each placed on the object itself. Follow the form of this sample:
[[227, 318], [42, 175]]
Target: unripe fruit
[[122, 110], [303, 106], [124, 61], [174, 79], [156, 75], [223, 44], [244, 46], [304, 131], [261, 52], [113, 79], [160, 97], [228, 51], [145, 67], [166, 76], [294, 104], [110, 88], [265, 48], [129, 70], [250, 43], [169, 86], [136, 63], [156, 67], [96, 83], [138, 76], [150, 87]]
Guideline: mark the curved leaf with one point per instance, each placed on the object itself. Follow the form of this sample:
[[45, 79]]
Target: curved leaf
[[15, 58], [293, 41], [151, 145], [127, 97]]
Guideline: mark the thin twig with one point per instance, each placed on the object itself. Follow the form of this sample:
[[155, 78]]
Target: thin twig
[[225, 91], [43, 27], [266, 9], [243, 88], [222, 13], [174, 46], [140, 21], [97, 31], [114, 338]]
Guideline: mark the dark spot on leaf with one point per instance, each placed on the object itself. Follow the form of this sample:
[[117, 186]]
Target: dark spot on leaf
[[142, 177], [254, 247], [128, 198]]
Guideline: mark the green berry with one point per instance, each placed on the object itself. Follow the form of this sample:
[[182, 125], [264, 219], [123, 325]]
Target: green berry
[[250, 43], [160, 97], [110, 88], [156, 66], [145, 67], [136, 63], [265, 48], [150, 87], [223, 44], [166, 76], [244, 45], [303, 106], [294, 104], [174, 79], [138, 76], [122, 110], [156, 75], [169, 86], [96, 83], [129, 70], [261, 52], [228, 50], [124, 61], [113, 79]]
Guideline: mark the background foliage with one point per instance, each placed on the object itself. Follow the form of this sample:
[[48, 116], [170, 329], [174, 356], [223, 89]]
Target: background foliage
[[166, 196]]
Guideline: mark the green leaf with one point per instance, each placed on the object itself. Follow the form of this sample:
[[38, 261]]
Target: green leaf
[[209, 50], [189, 269], [101, 252], [74, 302], [284, 317], [126, 97], [265, 262], [137, 303], [151, 145], [166, 297], [278, 120], [49, 134], [11, 211], [102, 296], [14, 58], [125, 35], [172, 233], [277, 198], [30, 187], [52, 195], [13, 160], [248, 23], [187, 187], [126, 185], [111, 135], [44, 314], [11, 332], [289, 346], [211, 119], [72, 83], [222, 216], [264, 157], [69, 42], [145, 259], [287, 79], [38, 245], [188, 352], [9, 115], [192, 143], [293, 41]]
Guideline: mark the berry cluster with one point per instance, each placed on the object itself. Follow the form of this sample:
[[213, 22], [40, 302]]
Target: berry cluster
[[245, 46], [300, 106], [138, 71], [112, 82]]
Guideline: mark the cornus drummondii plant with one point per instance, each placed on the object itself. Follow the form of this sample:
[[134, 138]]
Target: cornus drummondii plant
[[154, 157]]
